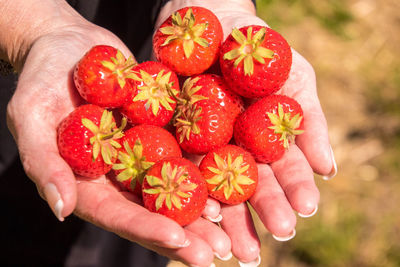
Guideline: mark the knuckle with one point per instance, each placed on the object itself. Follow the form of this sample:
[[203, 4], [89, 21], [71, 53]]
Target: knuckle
[[284, 227], [203, 256]]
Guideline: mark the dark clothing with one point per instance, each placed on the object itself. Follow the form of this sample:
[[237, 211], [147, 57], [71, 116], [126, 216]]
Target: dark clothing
[[132, 22], [31, 234]]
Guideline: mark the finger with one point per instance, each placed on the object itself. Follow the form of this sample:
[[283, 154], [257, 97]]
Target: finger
[[115, 42], [104, 206], [100, 36], [296, 178], [218, 240], [272, 206], [43, 165], [238, 224], [212, 210], [314, 142], [32, 117], [199, 253]]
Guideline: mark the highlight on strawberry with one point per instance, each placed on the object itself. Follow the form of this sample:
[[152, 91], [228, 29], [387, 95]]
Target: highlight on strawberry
[[268, 127], [210, 87], [88, 140], [175, 188], [202, 127], [102, 76], [231, 174], [255, 61], [154, 90], [142, 146], [188, 42]]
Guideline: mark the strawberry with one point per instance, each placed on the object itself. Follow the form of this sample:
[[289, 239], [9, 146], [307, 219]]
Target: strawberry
[[189, 40], [268, 126], [211, 87], [88, 140], [255, 61], [101, 76], [202, 127], [143, 145], [153, 99], [231, 174], [175, 188]]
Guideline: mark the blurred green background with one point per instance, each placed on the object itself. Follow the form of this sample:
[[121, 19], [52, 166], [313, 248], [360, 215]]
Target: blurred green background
[[354, 46]]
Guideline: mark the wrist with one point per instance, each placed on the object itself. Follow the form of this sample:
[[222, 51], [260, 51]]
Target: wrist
[[25, 21]]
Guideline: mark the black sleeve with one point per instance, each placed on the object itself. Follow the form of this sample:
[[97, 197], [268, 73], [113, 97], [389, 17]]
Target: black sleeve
[[133, 23]]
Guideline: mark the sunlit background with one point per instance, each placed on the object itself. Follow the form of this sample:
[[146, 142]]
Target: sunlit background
[[354, 46]]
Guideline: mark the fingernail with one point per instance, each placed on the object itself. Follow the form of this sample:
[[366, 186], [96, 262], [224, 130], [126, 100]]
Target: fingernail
[[334, 168], [216, 220], [212, 265], [309, 215], [173, 245], [226, 258], [254, 263], [54, 200], [285, 238]]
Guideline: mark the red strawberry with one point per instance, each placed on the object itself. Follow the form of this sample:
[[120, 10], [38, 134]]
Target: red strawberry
[[175, 188], [101, 76], [189, 40], [231, 174], [211, 87], [152, 101], [143, 145], [268, 126], [87, 140], [203, 127], [255, 61]]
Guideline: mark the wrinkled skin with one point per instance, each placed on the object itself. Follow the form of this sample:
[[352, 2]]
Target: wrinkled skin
[[45, 95]]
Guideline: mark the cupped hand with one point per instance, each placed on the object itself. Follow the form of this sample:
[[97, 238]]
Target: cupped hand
[[287, 185], [45, 95]]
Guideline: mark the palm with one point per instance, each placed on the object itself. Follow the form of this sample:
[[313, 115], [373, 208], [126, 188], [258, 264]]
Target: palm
[[44, 96], [287, 184]]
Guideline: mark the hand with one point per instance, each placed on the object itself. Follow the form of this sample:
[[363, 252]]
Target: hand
[[45, 94], [288, 184]]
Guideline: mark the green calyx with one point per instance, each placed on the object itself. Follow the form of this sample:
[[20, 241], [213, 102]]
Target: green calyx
[[156, 91], [186, 123], [285, 125], [229, 175], [120, 67], [105, 136], [189, 90], [171, 187], [132, 164], [188, 96], [250, 49], [185, 30]]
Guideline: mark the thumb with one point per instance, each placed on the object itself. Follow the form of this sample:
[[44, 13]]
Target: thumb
[[37, 145]]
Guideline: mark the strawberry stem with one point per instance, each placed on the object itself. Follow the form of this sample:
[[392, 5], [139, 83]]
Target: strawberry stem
[[118, 130]]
